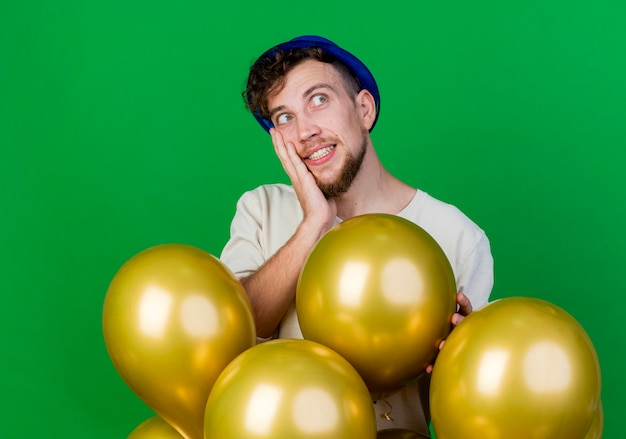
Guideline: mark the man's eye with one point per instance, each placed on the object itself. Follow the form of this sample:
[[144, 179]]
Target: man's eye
[[283, 118], [318, 100]]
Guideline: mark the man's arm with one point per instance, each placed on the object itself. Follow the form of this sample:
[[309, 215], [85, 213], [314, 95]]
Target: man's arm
[[272, 287]]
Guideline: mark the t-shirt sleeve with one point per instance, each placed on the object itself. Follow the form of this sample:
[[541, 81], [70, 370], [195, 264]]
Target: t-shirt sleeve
[[475, 273], [265, 218], [465, 244], [243, 253]]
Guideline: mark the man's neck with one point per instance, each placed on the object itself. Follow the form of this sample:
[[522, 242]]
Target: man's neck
[[374, 190]]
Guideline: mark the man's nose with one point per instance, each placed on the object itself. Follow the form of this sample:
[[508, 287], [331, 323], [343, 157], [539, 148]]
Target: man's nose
[[307, 128]]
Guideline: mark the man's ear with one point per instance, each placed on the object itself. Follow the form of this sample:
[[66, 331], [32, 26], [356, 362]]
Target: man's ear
[[366, 105]]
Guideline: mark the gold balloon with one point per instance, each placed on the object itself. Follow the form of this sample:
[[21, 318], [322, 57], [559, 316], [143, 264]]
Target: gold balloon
[[154, 428], [174, 316], [399, 433], [518, 368], [597, 424], [289, 388], [379, 291]]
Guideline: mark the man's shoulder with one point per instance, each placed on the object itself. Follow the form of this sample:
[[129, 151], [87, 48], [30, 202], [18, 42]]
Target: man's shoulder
[[436, 213], [271, 196], [274, 191], [274, 208], [426, 204]]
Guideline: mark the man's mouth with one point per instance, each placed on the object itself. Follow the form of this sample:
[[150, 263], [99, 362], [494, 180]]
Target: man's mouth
[[322, 152]]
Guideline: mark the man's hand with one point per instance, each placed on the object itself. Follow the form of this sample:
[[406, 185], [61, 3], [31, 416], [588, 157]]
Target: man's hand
[[272, 288], [465, 309], [315, 206]]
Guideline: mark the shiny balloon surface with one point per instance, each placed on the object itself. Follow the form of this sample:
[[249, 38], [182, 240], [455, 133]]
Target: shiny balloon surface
[[518, 368], [174, 316], [597, 424], [399, 433], [289, 388], [378, 290], [154, 428]]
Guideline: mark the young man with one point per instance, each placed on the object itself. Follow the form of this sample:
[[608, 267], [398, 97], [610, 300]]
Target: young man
[[319, 104]]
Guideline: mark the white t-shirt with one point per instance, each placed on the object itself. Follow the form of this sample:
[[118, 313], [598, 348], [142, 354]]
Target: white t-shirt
[[268, 216]]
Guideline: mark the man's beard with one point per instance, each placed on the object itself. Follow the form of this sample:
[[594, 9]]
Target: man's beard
[[348, 173]]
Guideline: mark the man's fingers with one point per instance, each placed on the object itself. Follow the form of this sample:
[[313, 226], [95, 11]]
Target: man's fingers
[[465, 306], [282, 152], [429, 368], [289, 158], [457, 318]]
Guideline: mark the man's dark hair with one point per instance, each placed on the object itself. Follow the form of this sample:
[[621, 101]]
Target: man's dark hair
[[267, 76]]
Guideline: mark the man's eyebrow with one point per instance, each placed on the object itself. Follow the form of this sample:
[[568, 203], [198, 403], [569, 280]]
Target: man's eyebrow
[[306, 93], [315, 87], [275, 110]]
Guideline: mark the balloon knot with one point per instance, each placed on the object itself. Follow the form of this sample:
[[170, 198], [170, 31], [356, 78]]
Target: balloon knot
[[387, 414]]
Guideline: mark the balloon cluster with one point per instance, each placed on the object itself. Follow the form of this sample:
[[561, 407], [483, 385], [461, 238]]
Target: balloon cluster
[[179, 329], [374, 301]]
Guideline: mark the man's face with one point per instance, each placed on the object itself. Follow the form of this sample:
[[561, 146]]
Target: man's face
[[315, 112]]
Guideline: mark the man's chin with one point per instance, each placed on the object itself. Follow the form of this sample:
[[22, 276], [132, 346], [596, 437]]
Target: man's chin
[[332, 190]]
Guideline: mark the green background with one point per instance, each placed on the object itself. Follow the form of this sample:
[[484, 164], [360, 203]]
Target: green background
[[122, 127]]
